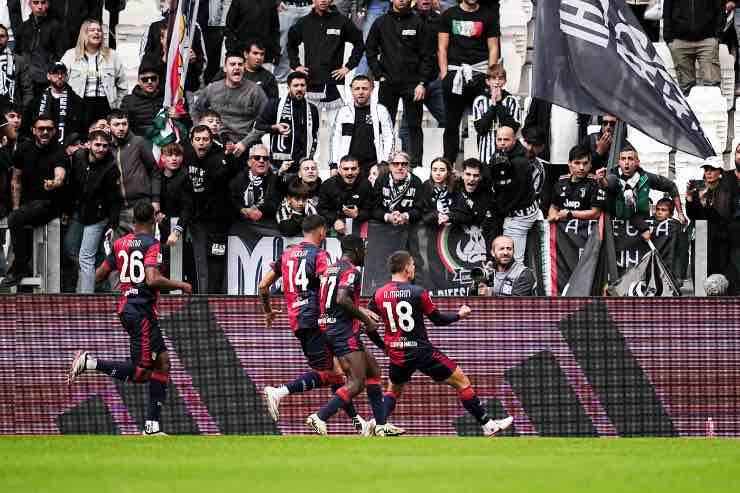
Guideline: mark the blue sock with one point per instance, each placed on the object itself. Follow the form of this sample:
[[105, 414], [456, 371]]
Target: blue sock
[[389, 404], [157, 396], [338, 401], [375, 396], [120, 370], [349, 408], [307, 381]]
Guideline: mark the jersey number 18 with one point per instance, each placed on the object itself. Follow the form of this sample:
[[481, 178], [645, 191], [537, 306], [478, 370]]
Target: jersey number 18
[[403, 317]]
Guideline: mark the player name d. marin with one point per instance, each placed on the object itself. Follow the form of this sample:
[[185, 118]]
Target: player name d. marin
[[398, 293]]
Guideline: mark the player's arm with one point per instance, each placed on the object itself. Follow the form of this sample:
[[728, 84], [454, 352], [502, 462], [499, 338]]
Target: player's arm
[[373, 311], [369, 319], [439, 318], [155, 279], [103, 271], [264, 291]]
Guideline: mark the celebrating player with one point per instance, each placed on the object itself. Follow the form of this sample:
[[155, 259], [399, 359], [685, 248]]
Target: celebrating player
[[301, 267], [136, 258], [340, 322], [402, 306]]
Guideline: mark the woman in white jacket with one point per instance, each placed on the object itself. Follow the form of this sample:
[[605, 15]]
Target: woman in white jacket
[[96, 73]]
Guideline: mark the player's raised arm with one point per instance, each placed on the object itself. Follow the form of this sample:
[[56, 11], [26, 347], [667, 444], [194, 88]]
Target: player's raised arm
[[439, 318], [264, 290]]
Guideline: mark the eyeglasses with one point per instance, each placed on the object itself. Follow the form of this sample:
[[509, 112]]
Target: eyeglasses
[[44, 129], [400, 163], [609, 124], [257, 157], [150, 78]]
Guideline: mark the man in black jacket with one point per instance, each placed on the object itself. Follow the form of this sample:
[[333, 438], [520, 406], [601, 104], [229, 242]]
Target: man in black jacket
[[692, 30], [94, 186], [39, 170], [144, 102], [42, 40], [398, 196], [254, 20], [346, 199], [471, 199], [15, 79], [398, 54], [323, 33], [254, 191], [210, 172]]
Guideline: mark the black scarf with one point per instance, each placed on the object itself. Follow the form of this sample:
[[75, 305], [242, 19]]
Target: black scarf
[[7, 73], [44, 108]]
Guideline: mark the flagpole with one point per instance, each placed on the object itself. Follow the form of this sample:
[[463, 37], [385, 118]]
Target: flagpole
[[618, 139]]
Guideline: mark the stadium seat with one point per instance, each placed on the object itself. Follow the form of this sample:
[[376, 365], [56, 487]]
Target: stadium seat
[[515, 16]]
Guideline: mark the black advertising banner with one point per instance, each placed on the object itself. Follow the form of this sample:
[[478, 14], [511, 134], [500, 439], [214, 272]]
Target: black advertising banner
[[568, 242], [577, 40]]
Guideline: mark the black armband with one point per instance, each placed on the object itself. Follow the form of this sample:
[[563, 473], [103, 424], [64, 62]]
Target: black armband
[[439, 318]]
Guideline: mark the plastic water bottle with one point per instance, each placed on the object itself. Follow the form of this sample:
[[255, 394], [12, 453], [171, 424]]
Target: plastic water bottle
[[709, 428]]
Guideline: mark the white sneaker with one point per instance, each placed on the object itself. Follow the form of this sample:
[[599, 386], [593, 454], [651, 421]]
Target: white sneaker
[[78, 365], [152, 429], [360, 425], [272, 397], [495, 425], [369, 429], [316, 424], [389, 430]]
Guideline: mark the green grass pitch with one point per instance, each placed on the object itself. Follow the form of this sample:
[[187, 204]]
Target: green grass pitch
[[78, 464]]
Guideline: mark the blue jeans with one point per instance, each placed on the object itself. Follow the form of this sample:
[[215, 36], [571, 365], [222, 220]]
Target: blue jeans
[[91, 236], [434, 101], [375, 9], [287, 19]]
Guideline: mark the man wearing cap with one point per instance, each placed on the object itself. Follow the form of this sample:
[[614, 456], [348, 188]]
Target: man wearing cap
[[628, 191], [145, 101], [714, 200], [59, 101]]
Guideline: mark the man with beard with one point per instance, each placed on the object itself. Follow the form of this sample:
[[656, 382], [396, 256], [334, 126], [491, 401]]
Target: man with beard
[[60, 102], [510, 277], [577, 195], [346, 199], [238, 101], [293, 124], [210, 172]]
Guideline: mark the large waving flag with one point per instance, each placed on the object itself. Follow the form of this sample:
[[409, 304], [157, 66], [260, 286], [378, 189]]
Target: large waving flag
[[181, 29], [592, 56]]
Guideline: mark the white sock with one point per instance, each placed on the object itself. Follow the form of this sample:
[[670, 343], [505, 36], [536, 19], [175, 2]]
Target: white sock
[[282, 391], [91, 363]]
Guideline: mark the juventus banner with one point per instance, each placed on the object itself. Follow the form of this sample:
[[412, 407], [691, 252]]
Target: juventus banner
[[181, 29], [569, 247], [592, 56]]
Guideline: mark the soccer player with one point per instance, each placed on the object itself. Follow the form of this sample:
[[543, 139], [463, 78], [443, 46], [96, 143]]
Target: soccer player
[[340, 320], [301, 267], [136, 257], [402, 306]]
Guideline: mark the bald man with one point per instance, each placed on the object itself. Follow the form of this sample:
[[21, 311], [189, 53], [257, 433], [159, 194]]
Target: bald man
[[511, 278]]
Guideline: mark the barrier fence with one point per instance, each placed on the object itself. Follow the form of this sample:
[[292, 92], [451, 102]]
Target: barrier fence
[[564, 367]]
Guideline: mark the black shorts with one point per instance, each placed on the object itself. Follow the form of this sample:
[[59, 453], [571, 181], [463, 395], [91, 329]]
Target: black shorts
[[145, 336], [313, 343], [344, 342], [430, 362]]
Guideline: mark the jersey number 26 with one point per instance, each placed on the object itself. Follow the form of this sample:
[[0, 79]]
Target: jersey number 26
[[132, 270]]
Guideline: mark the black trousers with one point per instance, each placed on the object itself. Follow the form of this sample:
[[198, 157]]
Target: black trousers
[[456, 105], [389, 95], [210, 260], [34, 213], [214, 38]]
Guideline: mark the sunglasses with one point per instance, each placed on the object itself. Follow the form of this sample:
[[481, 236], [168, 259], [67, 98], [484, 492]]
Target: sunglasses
[[400, 163], [260, 158], [44, 129], [609, 124], [149, 78]]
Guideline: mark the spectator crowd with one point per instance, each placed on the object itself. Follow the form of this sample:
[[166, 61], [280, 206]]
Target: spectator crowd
[[79, 144]]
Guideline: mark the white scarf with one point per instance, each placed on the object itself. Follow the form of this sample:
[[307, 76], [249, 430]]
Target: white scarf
[[7, 73], [43, 108], [254, 195], [628, 189], [283, 145]]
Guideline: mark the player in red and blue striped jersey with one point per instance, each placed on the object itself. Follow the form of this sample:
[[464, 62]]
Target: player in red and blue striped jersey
[[341, 318], [301, 267], [136, 257], [402, 306]]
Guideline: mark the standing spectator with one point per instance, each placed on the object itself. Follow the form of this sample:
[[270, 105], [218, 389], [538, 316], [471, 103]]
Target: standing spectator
[[471, 200], [238, 101], [374, 9], [39, 171], [41, 40], [254, 191], [492, 110], [438, 193], [534, 142], [15, 79], [293, 125], [468, 45], [433, 94], [213, 15], [577, 195], [210, 172], [144, 102], [398, 193], [628, 191], [254, 20], [512, 190], [346, 200], [289, 11], [323, 33], [293, 210], [600, 143], [398, 54], [60, 102], [362, 129], [94, 185], [71, 14], [254, 58], [135, 161], [11, 16], [651, 28], [692, 30], [511, 277], [96, 73]]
